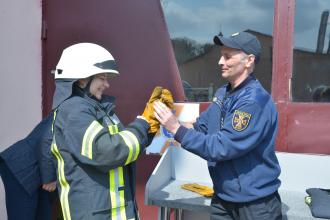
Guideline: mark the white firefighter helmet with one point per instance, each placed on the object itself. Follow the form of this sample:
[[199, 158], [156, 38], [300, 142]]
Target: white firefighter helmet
[[83, 60]]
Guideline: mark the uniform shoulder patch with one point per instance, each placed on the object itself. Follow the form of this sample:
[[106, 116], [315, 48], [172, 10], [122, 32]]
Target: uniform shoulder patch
[[240, 120]]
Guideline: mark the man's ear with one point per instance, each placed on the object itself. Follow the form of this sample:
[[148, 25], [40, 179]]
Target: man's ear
[[250, 60]]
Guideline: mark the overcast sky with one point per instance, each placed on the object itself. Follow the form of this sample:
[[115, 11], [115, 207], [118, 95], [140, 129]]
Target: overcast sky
[[202, 19]]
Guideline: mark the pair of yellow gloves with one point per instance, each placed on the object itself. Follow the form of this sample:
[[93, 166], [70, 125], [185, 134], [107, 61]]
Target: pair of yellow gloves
[[162, 95]]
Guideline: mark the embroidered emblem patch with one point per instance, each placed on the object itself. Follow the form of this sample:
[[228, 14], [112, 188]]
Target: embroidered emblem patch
[[240, 120]]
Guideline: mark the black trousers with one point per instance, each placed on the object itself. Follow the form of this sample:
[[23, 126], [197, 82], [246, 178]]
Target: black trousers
[[19, 204], [267, 208]]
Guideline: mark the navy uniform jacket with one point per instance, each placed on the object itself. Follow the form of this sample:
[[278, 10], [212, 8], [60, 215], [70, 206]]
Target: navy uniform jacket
[[95, 157], [236, 135], [30, 160]]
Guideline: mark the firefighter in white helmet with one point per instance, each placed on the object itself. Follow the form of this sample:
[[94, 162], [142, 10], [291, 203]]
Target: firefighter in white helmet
[[94, 152]]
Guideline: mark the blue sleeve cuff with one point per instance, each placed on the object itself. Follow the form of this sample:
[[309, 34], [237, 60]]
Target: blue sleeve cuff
[[180, 133]]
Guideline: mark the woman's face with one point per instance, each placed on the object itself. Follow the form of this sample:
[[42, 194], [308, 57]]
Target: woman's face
[[99, 84]]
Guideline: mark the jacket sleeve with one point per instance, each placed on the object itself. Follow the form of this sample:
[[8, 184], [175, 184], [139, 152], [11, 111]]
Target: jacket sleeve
[[201, 123], [45, 158], [244, 128], [93, 144]]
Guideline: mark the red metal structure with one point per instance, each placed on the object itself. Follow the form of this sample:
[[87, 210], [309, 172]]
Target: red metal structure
[[304, 127], [136, 34]]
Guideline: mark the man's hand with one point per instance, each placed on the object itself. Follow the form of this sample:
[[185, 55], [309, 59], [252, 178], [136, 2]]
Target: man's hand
[[166, 117], [50, 187], [148, 112]]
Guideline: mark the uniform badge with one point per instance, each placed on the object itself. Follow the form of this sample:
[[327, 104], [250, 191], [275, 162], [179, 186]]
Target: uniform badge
[[240, 120]]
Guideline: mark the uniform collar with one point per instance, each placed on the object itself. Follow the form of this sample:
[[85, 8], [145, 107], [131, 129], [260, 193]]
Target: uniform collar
[[107, 103], [240, 86]]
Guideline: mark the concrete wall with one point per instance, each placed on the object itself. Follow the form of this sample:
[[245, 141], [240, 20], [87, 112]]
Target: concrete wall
[[20, 70]]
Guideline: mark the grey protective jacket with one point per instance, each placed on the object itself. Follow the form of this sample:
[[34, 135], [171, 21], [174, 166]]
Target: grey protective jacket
[[95, 157]]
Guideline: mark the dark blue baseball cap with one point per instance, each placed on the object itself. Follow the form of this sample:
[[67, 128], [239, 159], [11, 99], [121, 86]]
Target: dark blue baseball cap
[[244, 41]]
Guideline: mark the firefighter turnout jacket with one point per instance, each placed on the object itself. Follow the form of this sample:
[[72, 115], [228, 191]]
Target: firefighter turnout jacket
[[95, 157]]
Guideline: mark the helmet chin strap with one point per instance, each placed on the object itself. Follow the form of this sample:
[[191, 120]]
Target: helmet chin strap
[[87, 88]]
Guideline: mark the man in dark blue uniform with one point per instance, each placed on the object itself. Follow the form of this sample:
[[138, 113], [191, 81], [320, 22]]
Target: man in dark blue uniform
[[236, 135]]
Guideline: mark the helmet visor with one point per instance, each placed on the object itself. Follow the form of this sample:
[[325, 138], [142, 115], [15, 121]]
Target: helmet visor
[[107, 65]]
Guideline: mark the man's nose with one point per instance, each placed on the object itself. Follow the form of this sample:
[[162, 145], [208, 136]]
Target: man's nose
[[221, 61]]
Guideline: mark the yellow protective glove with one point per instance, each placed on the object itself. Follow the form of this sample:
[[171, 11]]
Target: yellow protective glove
[[167, 98], [200, 189], [148, 112]]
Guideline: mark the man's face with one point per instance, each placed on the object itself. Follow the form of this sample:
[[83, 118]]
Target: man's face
[[99, 84], [232, 63]]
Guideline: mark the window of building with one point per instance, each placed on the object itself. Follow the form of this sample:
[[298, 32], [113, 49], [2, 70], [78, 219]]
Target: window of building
[[311, 55], [192, 26]]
